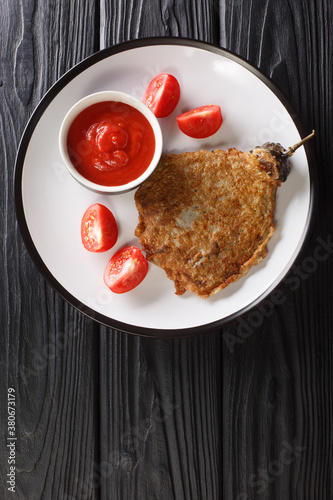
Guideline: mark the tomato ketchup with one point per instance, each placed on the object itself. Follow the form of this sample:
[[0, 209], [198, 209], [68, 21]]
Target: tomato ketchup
[[111, 143]]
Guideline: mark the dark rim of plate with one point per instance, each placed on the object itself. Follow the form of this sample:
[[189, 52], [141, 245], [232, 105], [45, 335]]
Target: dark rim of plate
[[20, 160]]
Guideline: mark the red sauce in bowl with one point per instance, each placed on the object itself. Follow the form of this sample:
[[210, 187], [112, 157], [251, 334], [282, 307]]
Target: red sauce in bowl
[[111, 143]]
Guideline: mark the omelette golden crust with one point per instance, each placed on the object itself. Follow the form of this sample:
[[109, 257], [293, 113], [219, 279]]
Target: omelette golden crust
[[206, 217]]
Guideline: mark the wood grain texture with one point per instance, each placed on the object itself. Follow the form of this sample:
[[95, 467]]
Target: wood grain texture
[[131, 19], [48, 351], [277, 404], [160, 424], [241, 414], [162, 420]]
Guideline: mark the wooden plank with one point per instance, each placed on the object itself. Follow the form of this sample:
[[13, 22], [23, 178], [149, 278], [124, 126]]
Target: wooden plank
[[277, 404], [161, 419], [164, 416], [130, 19], [48, 350]]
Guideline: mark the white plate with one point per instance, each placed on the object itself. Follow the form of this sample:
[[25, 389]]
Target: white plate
[[50, 203]]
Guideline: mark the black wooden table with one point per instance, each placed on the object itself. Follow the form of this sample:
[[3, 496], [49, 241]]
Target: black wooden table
[[103, 414]]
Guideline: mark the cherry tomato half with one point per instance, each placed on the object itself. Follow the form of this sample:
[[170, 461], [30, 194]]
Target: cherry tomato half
[[201, 122], [99, 231], [162, 95], [125, 270]]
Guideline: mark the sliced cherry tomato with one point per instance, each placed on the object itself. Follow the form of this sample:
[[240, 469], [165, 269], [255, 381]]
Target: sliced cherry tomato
[[162, 95], [201, 122], [99, 231], [125, 270]]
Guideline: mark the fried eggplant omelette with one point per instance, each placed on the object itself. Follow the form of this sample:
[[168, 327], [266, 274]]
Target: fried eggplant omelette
[[206, 217]]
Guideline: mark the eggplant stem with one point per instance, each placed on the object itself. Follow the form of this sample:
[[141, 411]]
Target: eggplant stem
[[292, 150]]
